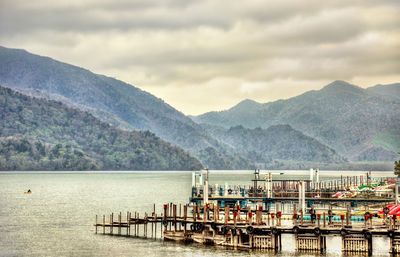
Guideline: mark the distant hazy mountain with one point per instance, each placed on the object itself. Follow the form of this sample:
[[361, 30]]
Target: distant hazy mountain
[[112, 101], [279, 142], [39, 134], [360, 124], [389, 91]]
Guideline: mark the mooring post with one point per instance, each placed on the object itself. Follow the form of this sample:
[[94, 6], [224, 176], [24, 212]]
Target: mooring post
[[170, 215], [119, 223], [128, 229], [165, 211], [161, 230], [174, 206], [112, 223], [145, 225], [138, 227], [205, 213], [348, 214], [184, 217], [218, 212], [96, 223], [194, 212], [301, 217], [370, 246], [104, 224], [152, 225], [235, 213], [214, 212], [238, 212], [226, 218], [155, 225], [180, 217]]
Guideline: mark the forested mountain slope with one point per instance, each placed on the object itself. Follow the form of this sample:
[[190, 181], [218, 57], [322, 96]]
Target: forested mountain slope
[[360, 124], [48, 132]]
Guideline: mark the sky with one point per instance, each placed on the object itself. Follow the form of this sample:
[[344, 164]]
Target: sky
[[201, 56]]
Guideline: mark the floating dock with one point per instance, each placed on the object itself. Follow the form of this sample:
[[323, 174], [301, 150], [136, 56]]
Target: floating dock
[[257, 217]]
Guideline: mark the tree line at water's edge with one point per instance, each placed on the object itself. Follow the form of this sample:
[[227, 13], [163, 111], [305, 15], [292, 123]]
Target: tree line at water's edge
[[39, 134]]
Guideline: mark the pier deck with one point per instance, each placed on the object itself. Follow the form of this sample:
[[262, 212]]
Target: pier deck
[[255, 229]]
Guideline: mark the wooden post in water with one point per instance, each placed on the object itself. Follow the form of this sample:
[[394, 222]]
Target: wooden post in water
[[135, 224], [180, 216], [348, 214], [184, 217], [128, 220], [205, 213], [112, 223], [155, 225], [145, 225], [170, 214], [234, 218], [214, 212], [218, 212], [138, 227], [226, 218], [119, 223], [174, 206], [96, 223], [154, 221], [194, 212], [104, 224], [301, 217]]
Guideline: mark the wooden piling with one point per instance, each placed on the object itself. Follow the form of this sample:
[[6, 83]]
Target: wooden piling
[[104, 224], [112, 223]]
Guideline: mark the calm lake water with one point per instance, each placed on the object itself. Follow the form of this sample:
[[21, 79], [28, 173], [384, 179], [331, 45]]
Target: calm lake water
[[57, 218]]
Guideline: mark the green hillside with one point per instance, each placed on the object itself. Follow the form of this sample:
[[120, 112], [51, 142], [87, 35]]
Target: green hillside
[[76, 133]]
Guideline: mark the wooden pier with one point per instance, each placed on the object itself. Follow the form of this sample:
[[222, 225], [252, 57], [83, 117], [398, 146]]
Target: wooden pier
[[268, 191], [253, 228]]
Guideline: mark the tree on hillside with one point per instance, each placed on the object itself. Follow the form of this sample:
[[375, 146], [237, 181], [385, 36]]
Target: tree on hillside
[[397, 167]]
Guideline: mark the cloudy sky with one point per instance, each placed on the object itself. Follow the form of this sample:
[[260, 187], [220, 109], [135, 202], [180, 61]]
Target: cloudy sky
[[209, 55]]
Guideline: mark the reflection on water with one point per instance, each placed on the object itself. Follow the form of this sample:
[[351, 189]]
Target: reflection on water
[[57, 218]]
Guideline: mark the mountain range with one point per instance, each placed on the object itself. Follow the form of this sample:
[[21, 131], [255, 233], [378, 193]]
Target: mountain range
[[113, 101], [360, 124], [336, 124]]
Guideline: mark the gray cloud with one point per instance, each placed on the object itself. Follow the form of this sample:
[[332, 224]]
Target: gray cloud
[[189, 52]]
